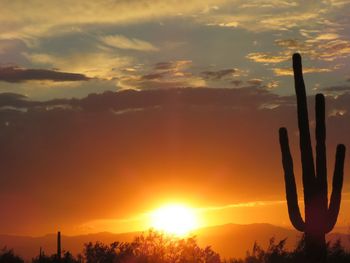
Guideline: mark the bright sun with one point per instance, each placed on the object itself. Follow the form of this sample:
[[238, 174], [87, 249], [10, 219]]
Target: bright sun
[[178, 220]]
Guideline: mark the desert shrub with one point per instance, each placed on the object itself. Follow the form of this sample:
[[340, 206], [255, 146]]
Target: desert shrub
[[8, 256], [152, 247]]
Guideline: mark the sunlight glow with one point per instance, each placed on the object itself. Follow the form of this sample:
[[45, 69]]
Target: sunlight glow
[[178, 220]]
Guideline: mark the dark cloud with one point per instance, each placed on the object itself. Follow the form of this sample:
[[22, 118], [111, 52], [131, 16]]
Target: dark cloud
[[255, 82], [164, 65], [151, 76], [172, 65], [220, 74], [165, 75], [127, 99], [12, 99], [16, 74]]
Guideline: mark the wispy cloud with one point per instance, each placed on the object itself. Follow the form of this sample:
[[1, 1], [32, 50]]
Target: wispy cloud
[[97, 64], [35, 18], [339, 88], [122, 42], [220, 74], [289, 71], [267, 58], [243, 204]]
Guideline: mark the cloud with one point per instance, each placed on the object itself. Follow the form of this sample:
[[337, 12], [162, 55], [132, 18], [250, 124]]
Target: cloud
[[263, 16], [273, 84], [337, 88], [90, 39], [9, 99], [327, 36], [164, 75], [269, 4], [122, 42], [289, 43], [173, 65], [229, 24], [157, 75], [243, 204], [289, 71], [175, 74], [35, 18], [287, 22], [256, 82], [94, 64], [220, 74], [316, 46], [267, 58], [320, 46], [15, 74], [161, 81]]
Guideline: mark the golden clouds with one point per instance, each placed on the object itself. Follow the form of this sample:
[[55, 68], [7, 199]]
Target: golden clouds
[[327, 46], [164, 75], [289, 71], [122, 42], [266, 58], [36, 17], [93, 64]]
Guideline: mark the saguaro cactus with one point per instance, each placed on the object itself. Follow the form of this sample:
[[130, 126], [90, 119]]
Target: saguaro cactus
[[320, 217], [59, 246]]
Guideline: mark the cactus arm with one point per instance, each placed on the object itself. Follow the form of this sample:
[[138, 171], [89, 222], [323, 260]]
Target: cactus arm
[[334, 204], [291, 192], [303, 123], [321, 159]]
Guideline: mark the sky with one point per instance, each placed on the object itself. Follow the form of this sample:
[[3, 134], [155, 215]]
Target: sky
[[110, 109]]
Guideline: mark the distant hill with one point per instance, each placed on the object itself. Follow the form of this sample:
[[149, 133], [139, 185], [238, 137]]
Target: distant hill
[[231, 240]]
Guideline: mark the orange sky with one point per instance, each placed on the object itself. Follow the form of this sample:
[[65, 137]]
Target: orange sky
[[119, 107], [84, 164]]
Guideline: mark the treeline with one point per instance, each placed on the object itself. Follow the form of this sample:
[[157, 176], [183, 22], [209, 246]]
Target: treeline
[[155, 247]]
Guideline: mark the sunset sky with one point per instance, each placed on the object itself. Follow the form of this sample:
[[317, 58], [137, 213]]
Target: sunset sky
[[110, 109]]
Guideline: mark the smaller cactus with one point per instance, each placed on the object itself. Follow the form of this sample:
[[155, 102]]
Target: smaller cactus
[[59, 246]]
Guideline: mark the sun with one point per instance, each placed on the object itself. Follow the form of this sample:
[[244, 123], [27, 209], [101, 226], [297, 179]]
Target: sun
[[178, 220]]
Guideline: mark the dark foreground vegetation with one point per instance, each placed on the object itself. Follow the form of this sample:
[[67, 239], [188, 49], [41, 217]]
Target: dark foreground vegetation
[[155, 247]]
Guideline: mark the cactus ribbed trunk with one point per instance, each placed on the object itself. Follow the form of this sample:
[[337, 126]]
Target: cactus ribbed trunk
[[320, 217], [40, 255], [315, 246]]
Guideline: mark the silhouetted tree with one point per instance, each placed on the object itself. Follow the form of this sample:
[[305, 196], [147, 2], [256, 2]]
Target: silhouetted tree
[[8, 256], [319, 217], [275, 253], [154, 247], [100, 252]]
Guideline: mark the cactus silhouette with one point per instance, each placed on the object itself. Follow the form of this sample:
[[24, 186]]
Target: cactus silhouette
[[59, 246], [320, 217]]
